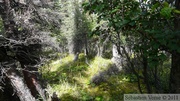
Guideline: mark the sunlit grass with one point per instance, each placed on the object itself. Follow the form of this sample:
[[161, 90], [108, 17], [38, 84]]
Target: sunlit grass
[[71, 80], [66, 88], [98, 64]]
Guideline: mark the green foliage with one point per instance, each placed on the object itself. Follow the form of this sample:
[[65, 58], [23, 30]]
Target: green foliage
[[147, 27], [166, 12], [130, 10], [176, 11]]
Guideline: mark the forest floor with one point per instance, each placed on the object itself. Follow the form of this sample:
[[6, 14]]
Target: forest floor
[[72, 81]]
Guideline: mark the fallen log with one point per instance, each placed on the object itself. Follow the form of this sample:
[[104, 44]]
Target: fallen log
[[17, 82]]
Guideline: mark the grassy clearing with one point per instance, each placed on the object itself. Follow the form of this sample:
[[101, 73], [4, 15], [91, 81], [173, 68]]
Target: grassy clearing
[[72, 80]]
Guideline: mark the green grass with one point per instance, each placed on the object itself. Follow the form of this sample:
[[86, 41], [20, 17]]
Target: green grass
[[72, 80]]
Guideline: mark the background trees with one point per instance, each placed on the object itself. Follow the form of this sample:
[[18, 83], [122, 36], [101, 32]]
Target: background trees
[[74, 27], [149, 33]]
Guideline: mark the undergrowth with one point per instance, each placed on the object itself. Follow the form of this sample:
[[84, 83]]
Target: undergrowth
[[72, 80]]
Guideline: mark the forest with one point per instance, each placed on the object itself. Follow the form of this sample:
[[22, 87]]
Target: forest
[[88, 50]]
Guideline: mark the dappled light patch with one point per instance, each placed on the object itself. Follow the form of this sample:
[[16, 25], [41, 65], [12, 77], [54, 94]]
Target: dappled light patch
[[98, 64], [73, 80], [66, 87]]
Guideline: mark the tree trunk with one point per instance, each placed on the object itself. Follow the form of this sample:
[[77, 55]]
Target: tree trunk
[[75, 44], [17, 82], [86, 52], [100, 49], [175, 74], [101, 46], [146, 74], [175, 67], [34, 85]]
